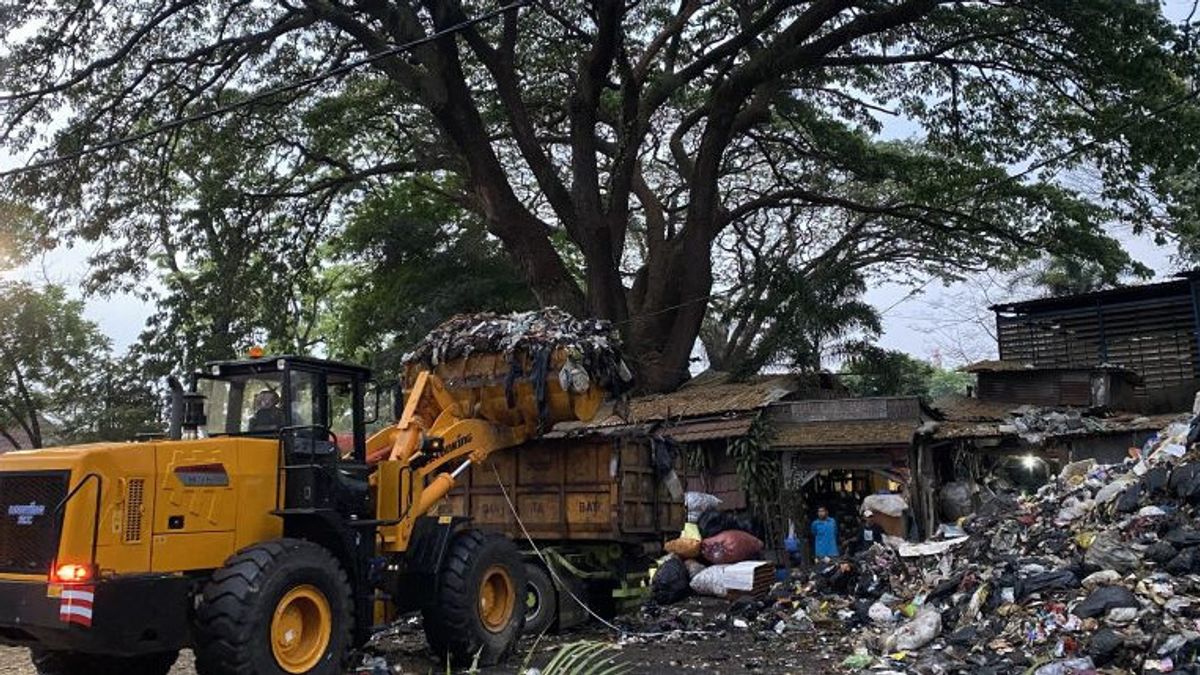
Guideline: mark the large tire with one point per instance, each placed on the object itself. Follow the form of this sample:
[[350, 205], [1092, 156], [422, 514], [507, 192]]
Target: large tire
[[478, 610], [276, 608], [74, 663], [541, 600]]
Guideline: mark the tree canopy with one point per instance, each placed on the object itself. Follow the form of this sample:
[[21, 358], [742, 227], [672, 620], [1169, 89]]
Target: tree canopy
[[57, 381], [873, 371], [645, 162]]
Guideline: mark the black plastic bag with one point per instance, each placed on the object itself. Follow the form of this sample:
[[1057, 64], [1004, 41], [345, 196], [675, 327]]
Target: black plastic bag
[[1185, 481], [712, 523], [1130, 499], [671, 583], [1183, 537], [1047, 581], [1103, 599], [1104, 645], [1184, 563], [1160, 552]]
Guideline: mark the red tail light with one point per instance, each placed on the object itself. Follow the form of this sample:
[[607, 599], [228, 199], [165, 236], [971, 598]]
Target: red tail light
[[71, 573]]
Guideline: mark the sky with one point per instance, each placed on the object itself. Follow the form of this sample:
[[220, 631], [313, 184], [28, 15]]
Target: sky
[[914, 314]]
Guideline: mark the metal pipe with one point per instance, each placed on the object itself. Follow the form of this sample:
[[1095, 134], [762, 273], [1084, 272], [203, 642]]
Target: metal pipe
[[459, 470], [175, 430]]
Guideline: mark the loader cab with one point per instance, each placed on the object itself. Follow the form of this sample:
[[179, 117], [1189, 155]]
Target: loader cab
[[278, 396]]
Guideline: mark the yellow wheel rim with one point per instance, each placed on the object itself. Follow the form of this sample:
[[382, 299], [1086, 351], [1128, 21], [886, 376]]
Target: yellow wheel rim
[[301, 629], [497, 598]]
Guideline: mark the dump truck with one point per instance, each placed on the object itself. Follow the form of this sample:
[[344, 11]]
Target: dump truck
[[267, 531], [589, 510]]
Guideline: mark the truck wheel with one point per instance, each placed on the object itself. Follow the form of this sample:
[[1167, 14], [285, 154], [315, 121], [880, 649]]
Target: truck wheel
[[278, 607], [477, 609], [541, 600], [74, 663]]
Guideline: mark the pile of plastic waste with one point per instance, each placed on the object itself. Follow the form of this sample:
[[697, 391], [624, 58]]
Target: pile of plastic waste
[[715, 555], [593, 343], [1098, 571], [538, 345]]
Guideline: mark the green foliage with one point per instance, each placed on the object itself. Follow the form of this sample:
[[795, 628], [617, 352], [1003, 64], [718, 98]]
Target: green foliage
[[870, 370], [587, 657], [629, 158], [1058, 275], [57, 380], [758, 469], [948, 382], [411, 259], [794, 318]]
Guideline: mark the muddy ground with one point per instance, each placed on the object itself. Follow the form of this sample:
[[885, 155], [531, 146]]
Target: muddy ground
[[708, 643]]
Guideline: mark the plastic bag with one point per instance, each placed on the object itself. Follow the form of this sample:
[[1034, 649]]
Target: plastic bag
[[712, 523], [573, 378], [694, 567], [730, 546], [1108, 552], [699, 502], [1047, 581], [917, 633], [881, 613], [670, 582], [957, 500], [889, 505], [683, 547], [710, 581], [1103, 599]]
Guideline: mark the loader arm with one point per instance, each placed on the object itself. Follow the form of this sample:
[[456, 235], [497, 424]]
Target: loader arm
[[433, 432]]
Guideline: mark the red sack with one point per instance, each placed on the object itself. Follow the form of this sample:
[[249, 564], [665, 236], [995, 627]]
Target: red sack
[[730, 546]]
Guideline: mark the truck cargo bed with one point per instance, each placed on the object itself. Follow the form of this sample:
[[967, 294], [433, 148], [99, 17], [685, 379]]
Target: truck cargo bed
[[594, 488]]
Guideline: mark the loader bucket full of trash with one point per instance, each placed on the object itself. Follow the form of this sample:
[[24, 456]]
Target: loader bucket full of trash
[[529, 369]]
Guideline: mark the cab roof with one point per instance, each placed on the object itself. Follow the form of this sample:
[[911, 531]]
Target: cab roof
[[269, 362]]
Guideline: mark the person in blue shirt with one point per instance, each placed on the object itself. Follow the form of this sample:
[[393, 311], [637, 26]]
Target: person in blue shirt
[[825, 535]]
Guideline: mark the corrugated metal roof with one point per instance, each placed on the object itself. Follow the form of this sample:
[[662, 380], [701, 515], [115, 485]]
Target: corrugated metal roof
[[690, 431], [703, 400], [859, 434]]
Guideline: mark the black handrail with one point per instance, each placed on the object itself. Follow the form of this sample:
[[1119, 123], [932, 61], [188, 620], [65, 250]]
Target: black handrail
[[95, 516]]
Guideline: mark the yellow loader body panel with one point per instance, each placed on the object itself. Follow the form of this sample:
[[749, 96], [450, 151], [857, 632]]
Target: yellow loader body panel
[[159, 507]]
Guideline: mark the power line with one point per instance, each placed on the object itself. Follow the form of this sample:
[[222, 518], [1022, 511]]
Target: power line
[[268, 93]]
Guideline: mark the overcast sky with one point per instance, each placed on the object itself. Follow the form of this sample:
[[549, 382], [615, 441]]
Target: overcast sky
[[912, 311]]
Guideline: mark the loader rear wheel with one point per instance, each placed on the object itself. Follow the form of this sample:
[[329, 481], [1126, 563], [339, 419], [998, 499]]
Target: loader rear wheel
[[541, 600], [74, 663], [280, 607], [479, 608]]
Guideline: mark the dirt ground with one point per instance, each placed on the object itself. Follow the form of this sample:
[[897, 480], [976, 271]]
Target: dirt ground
[[719, 654], [709, 643]]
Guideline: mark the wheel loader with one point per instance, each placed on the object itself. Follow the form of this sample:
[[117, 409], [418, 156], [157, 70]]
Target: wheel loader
[[266, 531]]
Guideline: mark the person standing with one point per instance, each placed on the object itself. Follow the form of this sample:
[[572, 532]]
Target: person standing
[[825, 535], [870, 534]]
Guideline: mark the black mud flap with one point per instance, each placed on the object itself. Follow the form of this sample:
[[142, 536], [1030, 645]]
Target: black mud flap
[[414, 585]]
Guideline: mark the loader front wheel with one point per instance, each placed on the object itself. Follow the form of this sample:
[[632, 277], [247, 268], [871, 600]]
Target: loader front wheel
[[280, 607], [479, 609], [48, 662]]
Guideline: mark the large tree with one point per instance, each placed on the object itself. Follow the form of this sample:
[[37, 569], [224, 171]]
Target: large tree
[[633, 136], [49, 358]]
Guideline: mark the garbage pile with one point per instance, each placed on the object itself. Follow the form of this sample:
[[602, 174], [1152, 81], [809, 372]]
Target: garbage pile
[[1033, 423], [529, 340], [716, 555], [1098, 571]]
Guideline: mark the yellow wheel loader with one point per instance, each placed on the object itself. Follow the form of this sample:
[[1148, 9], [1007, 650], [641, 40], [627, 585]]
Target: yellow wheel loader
[[266, 531]]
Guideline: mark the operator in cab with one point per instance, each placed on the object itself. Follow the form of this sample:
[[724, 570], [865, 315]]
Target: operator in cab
[[268, 415]]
